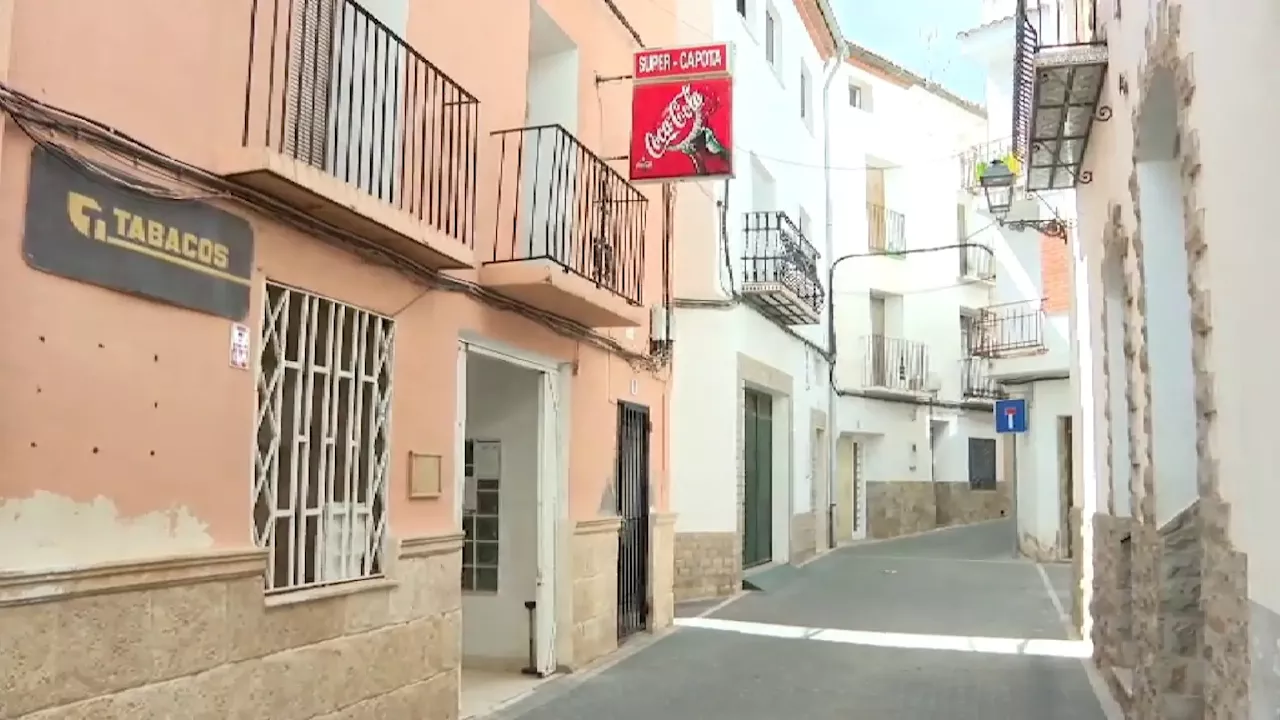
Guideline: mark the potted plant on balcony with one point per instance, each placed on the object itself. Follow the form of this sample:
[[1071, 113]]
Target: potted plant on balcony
[[1009, 159]]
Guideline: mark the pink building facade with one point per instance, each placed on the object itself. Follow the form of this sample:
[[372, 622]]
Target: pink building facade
[[316, 308]]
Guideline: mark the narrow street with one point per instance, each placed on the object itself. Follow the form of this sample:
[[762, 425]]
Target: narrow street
[[943, 625]]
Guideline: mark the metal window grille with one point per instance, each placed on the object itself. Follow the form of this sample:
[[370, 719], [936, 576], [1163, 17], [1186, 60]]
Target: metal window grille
[[323, 430], [483, 471]]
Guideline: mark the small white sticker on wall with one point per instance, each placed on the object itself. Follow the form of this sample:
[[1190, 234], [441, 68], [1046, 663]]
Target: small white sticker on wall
[[239, 346]]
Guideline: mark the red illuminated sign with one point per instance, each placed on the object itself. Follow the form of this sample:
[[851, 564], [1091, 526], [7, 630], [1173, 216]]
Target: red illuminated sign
[[682, 114]]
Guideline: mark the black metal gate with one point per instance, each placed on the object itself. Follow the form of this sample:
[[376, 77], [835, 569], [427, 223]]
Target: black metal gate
[[633, 507]]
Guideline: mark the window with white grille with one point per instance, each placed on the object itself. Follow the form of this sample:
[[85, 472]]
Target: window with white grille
[[483, 473], [323, 429]]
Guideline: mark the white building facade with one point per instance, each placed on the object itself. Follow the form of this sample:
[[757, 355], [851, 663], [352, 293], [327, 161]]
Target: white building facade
[[771, 461], [750, 398], [913, 394], [1026, 332], [1173, 466]]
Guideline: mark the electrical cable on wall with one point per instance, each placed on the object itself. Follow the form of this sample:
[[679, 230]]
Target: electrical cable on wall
[[29, 113]]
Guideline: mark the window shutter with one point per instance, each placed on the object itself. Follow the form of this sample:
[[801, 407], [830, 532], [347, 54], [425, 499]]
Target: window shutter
[[307, 96]]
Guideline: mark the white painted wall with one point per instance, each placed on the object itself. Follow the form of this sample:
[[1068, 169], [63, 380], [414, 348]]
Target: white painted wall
[[778, 158], [1019, 280], [1168, 337], [1236, 194], [502, 404], [1038, 489], [705, 404], [779, 161]]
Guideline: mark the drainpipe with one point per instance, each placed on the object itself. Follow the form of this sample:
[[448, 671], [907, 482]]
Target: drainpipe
[[833, 398]]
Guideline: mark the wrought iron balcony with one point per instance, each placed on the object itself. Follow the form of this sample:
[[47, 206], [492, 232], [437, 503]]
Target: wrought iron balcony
[[780, 269], [1008, 329], [977, 262], [976, 382], [560, 206], [895, 364], [335, 101], [886, 230], [977, 156], [1060, 66]]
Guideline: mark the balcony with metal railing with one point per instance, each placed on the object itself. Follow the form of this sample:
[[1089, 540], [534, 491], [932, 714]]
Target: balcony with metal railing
[[976, 262], [345, 120], [780, 269], [569, 233], [1008, 329], [894, 365], [974, 159], [1060, 67], [886, 230], [976, 380]]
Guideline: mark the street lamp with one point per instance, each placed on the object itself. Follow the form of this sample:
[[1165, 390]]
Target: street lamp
[[997, 184]]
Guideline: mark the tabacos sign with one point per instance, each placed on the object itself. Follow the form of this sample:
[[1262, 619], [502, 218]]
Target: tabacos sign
[[682, 114]]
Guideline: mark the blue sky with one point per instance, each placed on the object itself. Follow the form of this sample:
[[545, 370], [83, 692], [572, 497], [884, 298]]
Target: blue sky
[[919, 35]]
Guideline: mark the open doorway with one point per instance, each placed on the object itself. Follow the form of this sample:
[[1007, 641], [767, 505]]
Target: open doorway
[[510, 512]]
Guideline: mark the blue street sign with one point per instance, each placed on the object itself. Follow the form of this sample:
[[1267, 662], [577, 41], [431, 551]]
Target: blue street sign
[[1011, 416]]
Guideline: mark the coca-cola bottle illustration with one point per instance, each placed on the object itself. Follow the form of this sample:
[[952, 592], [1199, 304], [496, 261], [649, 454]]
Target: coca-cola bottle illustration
[[708, 154]]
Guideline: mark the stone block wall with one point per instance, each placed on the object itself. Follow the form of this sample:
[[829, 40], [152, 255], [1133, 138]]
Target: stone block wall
[[194, 637], [595, 589], [707, 565], [1112, 606], [959, 504], [900, 508], [903, 508], [662, 539], [804, 538]]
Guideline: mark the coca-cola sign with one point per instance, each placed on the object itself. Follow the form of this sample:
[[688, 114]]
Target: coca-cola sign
[[682, 129], [682, 113]]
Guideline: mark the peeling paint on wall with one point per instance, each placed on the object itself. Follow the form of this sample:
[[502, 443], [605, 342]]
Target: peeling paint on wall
[[47, 531]]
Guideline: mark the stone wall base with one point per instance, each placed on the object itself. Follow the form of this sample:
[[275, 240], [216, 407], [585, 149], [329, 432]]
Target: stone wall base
[[662, 544], [1171, 606], [903, 508], [804, 539], [595, 590], [1111, 606], [195, 637], [707, 565]]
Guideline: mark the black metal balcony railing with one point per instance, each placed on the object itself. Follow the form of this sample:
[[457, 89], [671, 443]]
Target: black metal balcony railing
[[977, 262], [886, 229], [1060, 61], [775, 251], [1008, 328], [559, 201], [895, 364], [331, 86], [977, 155], [976, 382]]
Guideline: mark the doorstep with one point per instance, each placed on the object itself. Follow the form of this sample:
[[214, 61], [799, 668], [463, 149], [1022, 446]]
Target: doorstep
[[770, 577]]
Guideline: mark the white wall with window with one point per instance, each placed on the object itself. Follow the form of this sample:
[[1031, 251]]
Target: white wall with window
[[902, 360], [779, 181]]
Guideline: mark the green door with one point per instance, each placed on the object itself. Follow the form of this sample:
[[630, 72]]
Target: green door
[[757, 461]]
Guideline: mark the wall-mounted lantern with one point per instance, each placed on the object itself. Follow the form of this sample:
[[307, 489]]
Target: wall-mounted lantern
[[997, 181]]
